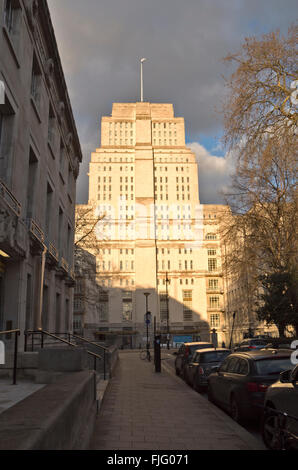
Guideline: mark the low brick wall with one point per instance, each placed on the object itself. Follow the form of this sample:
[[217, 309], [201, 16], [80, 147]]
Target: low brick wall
[[60, 416]]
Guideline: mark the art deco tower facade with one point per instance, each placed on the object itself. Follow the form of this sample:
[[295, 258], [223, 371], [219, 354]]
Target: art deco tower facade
[[144, 181]]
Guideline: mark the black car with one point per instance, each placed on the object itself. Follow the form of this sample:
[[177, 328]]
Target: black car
[[185, 353], [204, 360], [282, 343], [240, 383], [280, 398], [251, 344]]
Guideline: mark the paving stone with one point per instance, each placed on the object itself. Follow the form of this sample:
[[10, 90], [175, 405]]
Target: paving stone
[[145, 410]]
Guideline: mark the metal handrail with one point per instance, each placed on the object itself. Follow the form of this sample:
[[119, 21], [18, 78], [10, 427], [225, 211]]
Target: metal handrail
[[42, 332], [9, 332], [97, 345], [15, 358]]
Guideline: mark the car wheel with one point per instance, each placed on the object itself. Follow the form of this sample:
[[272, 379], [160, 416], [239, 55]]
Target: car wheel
[[270, 431], [197, 387], [235, 410], [210, 395], [184, 375]]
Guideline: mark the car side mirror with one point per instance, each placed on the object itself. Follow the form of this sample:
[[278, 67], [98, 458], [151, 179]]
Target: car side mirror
[[215, 369], [285, 376], [175, 353]]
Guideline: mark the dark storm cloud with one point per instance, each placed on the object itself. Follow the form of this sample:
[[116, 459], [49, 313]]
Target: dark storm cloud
[[100, 42]]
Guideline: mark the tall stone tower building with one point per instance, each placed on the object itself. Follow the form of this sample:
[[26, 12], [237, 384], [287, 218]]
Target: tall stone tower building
[[144, 182]]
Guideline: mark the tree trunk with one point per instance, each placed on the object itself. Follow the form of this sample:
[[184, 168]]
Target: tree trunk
[[281, 329]]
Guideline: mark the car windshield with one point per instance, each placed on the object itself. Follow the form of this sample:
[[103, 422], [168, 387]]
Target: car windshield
[[214, 356], [272, 366]]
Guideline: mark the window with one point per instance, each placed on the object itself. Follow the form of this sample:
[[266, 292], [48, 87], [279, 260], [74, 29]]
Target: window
[[77, 323], [127, 305], [103, 307], [51, 127], [31, 184], [6, 141], [214, 302], [12, 16], [35, 81], [49, 206], [242, 367], [163, 306], [212, 264], [214, 320], [187, 305], [211, 236], [211, 252], [232, 364], [213, 284]]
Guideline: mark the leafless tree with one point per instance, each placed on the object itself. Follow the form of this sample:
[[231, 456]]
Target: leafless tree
[[260, 117]]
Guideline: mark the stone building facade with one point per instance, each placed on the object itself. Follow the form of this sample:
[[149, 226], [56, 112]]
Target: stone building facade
[[155, 237], [39, 164]]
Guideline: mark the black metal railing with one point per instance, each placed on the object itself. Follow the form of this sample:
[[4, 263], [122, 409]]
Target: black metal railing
[[15, 358], [44, 334], [102, 348]]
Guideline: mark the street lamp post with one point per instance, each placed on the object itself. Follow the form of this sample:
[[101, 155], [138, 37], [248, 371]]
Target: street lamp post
[[168, 326], [231, 339]]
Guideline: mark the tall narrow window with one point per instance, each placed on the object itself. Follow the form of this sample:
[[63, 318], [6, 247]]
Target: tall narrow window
[[60, 231], [31, 184], [127, 306], [51, 128], [35, 81], [187, 305], [49, 212], [12, 17], [103, 307], [212, 264], [6, 141], [214, 302], [62, 161], [163, 306]]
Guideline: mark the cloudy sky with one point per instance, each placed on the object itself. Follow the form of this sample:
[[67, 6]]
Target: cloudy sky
[[101, 42]]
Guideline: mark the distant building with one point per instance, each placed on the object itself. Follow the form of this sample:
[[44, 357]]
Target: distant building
[[87, 293], [156, 238], [39, 164]]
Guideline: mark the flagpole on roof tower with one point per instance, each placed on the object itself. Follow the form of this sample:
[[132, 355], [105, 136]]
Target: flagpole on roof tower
[[142, 82]]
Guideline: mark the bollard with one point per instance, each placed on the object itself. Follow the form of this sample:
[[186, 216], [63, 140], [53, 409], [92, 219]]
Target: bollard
[[157, 354]]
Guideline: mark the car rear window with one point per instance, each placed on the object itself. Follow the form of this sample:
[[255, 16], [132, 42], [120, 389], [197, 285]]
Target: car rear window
[[272, 366], [194, 347], [215, 356]]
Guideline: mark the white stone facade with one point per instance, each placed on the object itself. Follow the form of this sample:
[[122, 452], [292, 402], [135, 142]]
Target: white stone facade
[[39, 164], [155, 234]]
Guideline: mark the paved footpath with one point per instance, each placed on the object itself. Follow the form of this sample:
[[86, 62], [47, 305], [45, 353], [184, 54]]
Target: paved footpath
[[145, 410]]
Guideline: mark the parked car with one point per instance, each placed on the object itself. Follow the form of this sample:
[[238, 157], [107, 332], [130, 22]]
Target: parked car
[[250, 344], [240, 383], [197, 370], [185, 353], [282, 397], [281, 343]]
